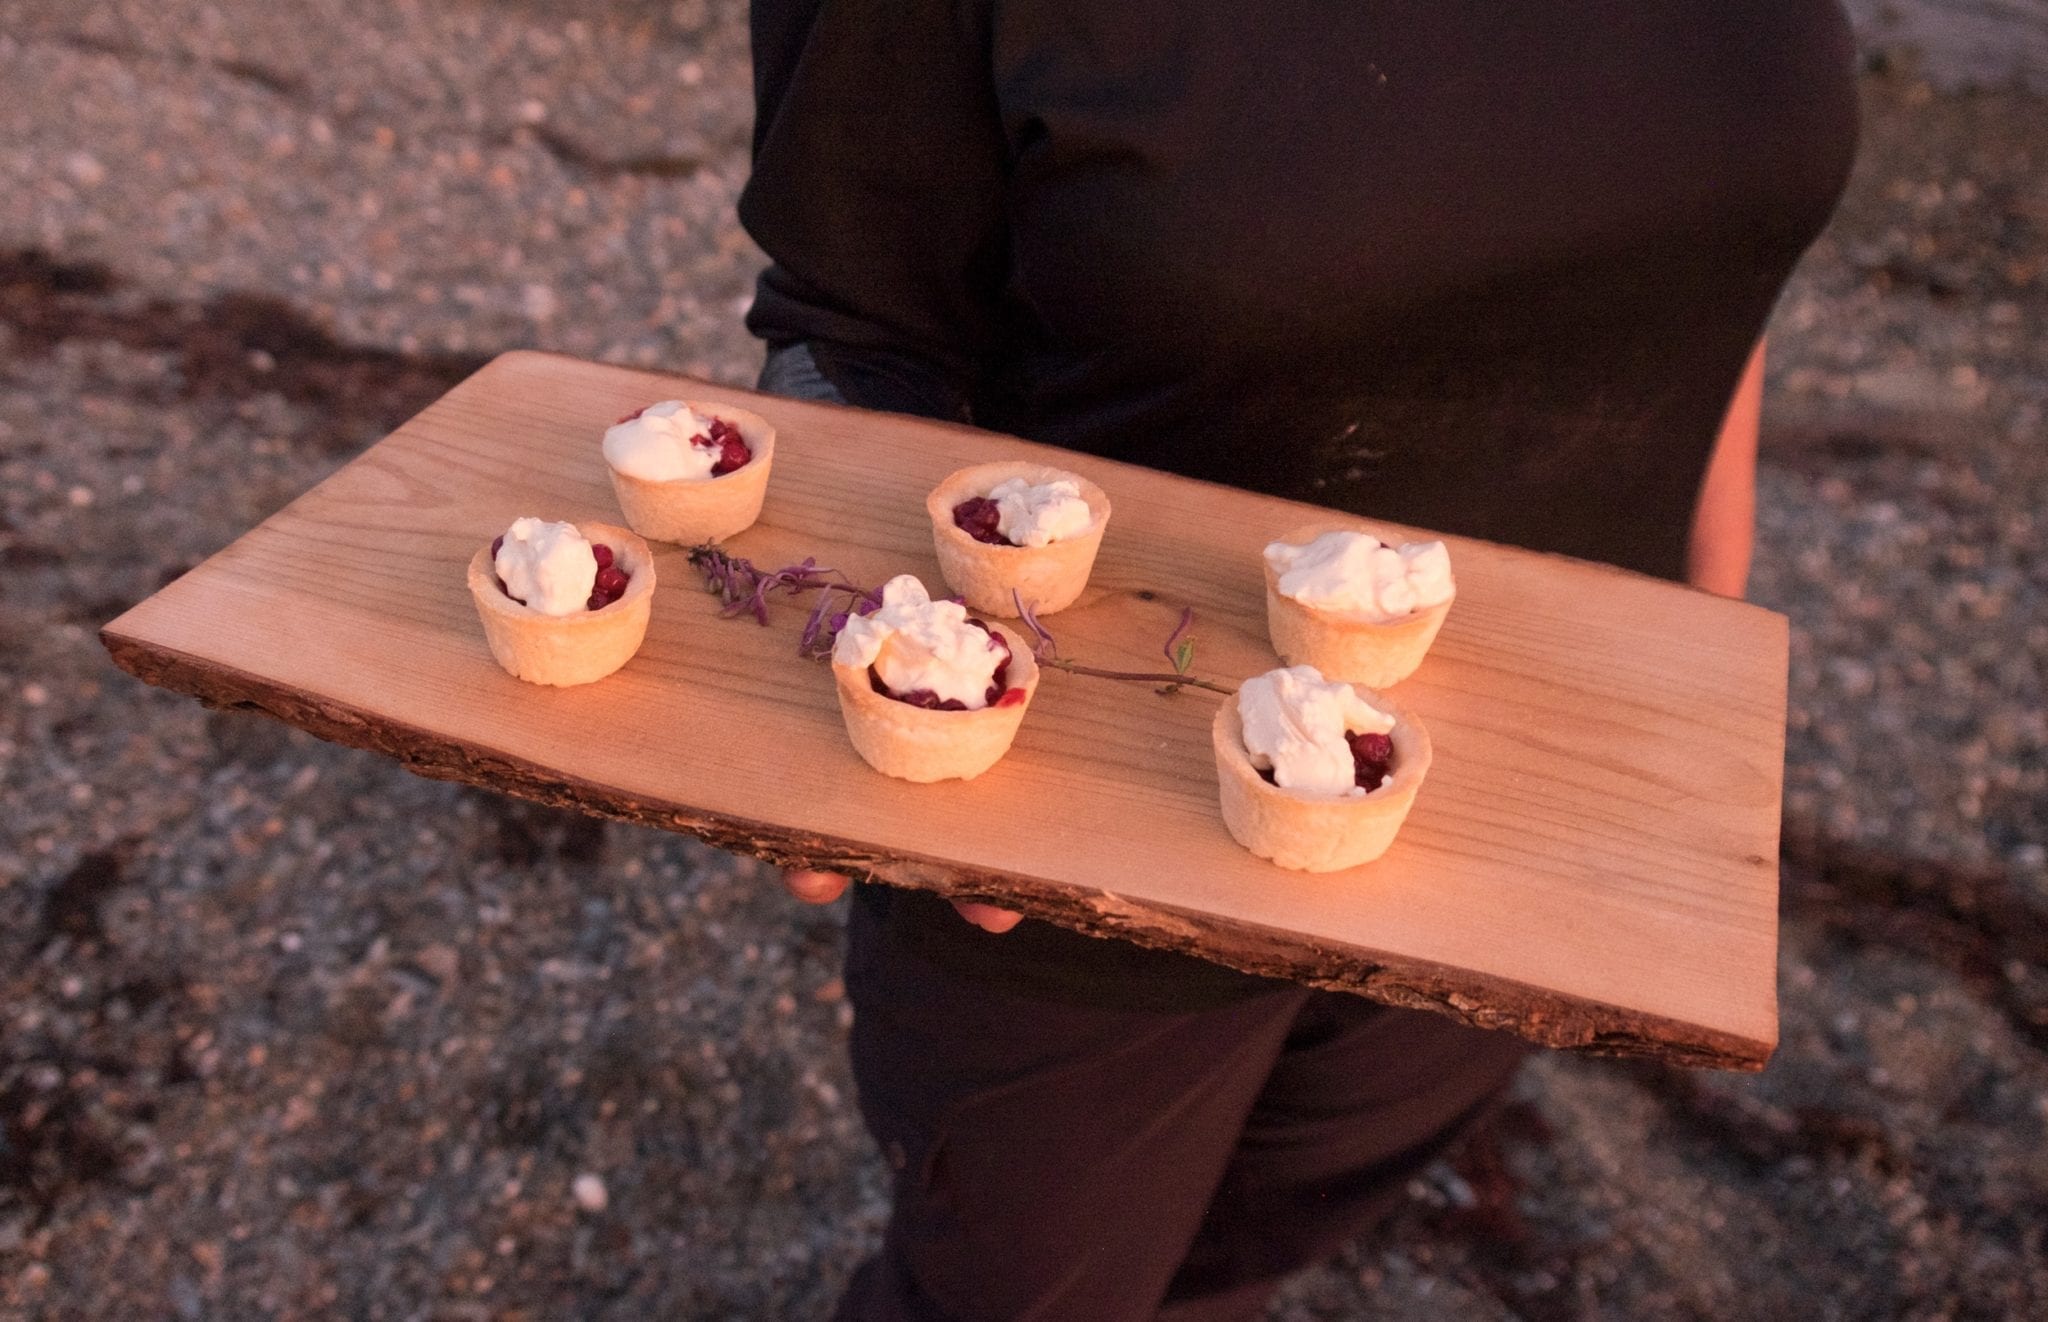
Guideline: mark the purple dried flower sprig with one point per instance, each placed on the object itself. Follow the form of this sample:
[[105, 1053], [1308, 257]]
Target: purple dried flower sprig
[[1042, 645], [744, 589], [1180, 649], [821, 629]]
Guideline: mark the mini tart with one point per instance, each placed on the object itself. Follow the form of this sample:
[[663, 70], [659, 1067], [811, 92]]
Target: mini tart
[[922, 745], [691, 511], [1347, 645], [567, 649], [1313, 833], [1048, 577]]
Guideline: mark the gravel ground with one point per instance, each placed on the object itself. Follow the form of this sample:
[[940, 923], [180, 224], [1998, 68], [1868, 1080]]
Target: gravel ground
[[285, 1031]]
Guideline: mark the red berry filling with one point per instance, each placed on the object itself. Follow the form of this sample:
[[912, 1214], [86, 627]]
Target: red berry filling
[[609, 587], [731, 447], [999, 694], [723, 437], [1372, 761], [979, 518], [611, 580], [497, 544]]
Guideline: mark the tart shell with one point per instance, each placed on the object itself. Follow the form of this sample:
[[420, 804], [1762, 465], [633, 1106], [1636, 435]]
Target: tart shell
[[1049, 577], [564, 650], [693, 511], [1344, 644], [918, 744], [1311, 833]]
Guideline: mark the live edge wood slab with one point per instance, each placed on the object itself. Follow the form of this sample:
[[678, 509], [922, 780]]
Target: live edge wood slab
[[1592, 862]]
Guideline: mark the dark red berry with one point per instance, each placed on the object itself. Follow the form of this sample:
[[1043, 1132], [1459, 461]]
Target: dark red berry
[[733, 455], [732, 448], [999, 682], [1372, 758], [611, 581], [603, 556], [979, 518], [598, 601]]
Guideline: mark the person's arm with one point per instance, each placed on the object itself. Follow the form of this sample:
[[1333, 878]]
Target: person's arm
[[1724, 522], [878, 193]]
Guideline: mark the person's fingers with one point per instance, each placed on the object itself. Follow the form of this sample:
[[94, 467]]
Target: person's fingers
[[987, 917], [814, 887], [825, 887]]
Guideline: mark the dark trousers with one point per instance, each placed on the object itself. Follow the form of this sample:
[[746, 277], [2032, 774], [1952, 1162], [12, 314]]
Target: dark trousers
[[1073, 1163]]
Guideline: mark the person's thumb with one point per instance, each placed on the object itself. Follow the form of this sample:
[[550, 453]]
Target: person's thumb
[[814, 887], [987, 916]]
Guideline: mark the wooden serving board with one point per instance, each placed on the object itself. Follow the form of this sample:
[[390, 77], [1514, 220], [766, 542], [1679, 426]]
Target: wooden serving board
[[1592, 861]]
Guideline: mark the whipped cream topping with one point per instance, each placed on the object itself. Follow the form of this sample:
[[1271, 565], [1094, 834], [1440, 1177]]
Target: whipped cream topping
[[916, 643], [549, 566], [1035, 513], [661, 444], [1294, 726], [1356, 572]]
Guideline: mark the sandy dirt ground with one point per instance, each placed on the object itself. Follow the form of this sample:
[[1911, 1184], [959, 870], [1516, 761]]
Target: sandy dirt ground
[[286, 1032]]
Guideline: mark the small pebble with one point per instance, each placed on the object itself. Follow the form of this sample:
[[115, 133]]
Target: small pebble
[[85, 169]]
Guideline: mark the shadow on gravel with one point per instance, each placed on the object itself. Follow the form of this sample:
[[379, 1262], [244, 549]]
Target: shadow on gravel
[[529, 832], [1532, 1272], [232, 347], [73, 1103], [270, 80], [1975, 922]]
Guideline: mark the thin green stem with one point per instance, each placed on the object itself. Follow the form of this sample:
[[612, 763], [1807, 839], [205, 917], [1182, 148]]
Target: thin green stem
[[1168, 681]]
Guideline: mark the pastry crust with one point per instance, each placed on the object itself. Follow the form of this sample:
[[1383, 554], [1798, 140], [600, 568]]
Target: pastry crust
[[1343, 644], [918, 744], [1048, 577], [1307, 832], [691, 512], [568, 649]]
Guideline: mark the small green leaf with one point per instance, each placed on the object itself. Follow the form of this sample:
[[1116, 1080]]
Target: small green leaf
[[1183, 656]]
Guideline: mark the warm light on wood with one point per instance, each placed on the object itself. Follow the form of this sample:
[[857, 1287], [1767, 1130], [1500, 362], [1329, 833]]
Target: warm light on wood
[[1591, 862]]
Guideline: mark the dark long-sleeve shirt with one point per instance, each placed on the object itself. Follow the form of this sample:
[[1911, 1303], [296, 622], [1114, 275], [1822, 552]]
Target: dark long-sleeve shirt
[[1490, 269]]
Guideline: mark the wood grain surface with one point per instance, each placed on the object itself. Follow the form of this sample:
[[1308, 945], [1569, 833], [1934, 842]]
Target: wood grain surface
[[1591, 863]]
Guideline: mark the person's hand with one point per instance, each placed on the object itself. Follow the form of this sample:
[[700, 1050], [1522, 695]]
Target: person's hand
[[825, 887]]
